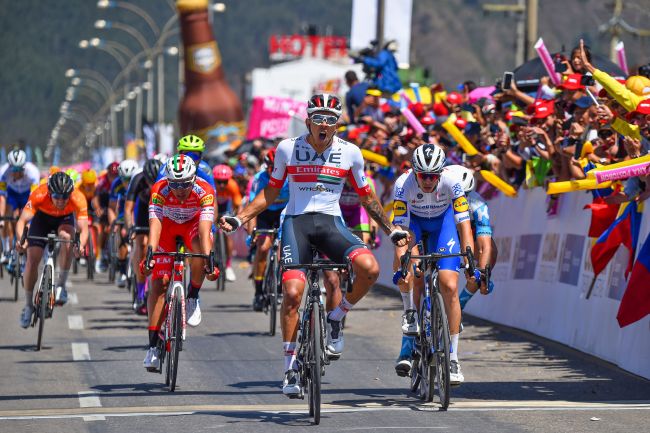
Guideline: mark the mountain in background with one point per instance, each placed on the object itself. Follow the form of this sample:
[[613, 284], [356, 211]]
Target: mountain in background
[[453, 39]]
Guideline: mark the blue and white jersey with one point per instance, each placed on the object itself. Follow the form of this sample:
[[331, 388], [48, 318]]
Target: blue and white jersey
[[479, 214], [23, 185], [260, 181], [409, 200]]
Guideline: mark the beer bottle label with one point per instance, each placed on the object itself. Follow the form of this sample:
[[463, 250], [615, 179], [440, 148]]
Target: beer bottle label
[[203, 58]]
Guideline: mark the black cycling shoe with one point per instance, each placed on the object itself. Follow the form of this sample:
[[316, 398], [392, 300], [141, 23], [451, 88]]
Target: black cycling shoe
[[258, 303]]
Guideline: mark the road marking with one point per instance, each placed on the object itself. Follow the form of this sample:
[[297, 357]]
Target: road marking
[[75, 322], [527, 405], [73, 299], [90, 399], [80, 352]]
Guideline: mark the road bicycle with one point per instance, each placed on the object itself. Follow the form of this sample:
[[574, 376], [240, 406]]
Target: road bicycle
[[311, 356], [271, 286], [221, 258], [113, 246], [174, 326], [44, 296], [431, 355], [131, 281]]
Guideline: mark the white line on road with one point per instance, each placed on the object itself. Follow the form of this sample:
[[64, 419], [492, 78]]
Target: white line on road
[[73, 299], [90, 399], [75, 322], [80, 352]]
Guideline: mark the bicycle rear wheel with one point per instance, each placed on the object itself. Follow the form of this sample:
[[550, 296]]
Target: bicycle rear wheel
[[16, 275], [270, 293], [43, 303], [315, 361], [174, 341], [427, 366], [442, 346], [222, 260], [90, 258]]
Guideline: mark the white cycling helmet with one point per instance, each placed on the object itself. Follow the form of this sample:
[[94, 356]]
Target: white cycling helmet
[[127, 169], [324, 102], [17, 158], [428, 158], [466, 175], [180, 167]]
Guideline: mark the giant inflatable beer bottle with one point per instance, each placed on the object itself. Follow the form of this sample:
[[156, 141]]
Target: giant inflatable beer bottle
[[209, 108]]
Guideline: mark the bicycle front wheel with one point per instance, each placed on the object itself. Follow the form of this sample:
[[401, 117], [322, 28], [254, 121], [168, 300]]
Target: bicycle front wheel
[[223, 259], [16, 275], [315, 361], [442, 346], [270, 293], [175, 341], [43, 303], [427, 363]]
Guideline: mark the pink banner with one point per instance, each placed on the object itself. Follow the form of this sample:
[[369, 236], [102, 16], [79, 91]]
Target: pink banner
[[623, 172], [270, 116]]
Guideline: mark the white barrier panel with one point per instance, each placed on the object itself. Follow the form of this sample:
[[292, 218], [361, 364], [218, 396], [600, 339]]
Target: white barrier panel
[[543, 274]]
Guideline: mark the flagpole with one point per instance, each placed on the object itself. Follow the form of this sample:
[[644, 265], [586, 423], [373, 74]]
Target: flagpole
[[591, 287]]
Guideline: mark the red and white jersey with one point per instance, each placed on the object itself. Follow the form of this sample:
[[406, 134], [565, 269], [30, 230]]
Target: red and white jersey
[[164, 204], [316, 181]]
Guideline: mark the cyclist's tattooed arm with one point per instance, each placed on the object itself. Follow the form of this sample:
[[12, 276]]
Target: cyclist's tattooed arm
[[371, 203]]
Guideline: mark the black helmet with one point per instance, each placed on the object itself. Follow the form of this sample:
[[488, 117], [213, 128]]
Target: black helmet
[[151, 169], [60, 184]]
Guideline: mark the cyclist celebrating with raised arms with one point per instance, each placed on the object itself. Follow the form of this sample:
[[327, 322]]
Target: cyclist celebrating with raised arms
[[181, 205], [51, 207], [430, 199], [318, 164]]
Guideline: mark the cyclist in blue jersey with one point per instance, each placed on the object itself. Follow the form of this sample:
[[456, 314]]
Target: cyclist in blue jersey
[[117, 198], [193, 146], [268, 219], [486, 249]]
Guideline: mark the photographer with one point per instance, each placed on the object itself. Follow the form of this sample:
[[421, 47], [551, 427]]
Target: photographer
[[384, 66]]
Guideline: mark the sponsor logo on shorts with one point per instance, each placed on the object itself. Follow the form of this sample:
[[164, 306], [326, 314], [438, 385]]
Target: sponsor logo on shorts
[[460, 205], [399, 208]]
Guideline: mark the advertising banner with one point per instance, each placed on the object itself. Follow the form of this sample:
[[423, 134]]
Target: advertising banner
[[271, 116]]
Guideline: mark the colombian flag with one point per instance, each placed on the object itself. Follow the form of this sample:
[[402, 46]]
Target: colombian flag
[[624, 230], [635, 304]]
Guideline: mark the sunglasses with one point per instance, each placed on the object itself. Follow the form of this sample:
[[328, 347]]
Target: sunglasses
[[17, 169], [319, 119], [180, 185], [56, 196], [605, 133], [222, 182], [428, 176]]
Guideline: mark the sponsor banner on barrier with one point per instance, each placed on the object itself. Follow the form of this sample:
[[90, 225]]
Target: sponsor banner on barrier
[[270, 116]]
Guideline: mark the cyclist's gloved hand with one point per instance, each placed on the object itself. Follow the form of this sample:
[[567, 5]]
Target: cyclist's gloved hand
[[397, 235], [232, 222], [397, 276], [144, 269], [212, 276]]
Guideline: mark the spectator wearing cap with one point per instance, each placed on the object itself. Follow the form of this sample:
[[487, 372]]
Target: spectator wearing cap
[[571, 87], [370, 110], [354, 96]]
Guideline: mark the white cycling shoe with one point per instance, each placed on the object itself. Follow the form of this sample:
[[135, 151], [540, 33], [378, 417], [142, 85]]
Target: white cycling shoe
[[410, 324], [456, 374], [193, 311], [152, 359], [230, 274]]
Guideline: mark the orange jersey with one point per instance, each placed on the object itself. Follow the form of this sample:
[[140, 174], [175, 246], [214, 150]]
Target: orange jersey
[[230, 193], [89, 194], [40, 201]]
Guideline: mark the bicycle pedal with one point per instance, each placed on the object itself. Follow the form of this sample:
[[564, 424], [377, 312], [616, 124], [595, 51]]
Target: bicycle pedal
[[153, 370]]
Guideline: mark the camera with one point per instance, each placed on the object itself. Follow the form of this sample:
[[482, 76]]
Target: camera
[[587, 80], [558, 63], [506, 83]]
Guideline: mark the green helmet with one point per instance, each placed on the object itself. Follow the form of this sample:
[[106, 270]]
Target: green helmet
[[191, 143], [74, 175]]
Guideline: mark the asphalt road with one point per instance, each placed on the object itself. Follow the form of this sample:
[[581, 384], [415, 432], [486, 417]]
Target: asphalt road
[[89, 376]]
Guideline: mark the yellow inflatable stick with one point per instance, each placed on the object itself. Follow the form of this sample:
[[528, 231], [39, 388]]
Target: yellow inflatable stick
[[375, 157], [639, 160], [575, 185], [498, 183], [460, 138]]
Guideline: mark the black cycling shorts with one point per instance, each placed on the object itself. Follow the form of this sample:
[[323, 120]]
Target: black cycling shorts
[[141, 213], [269, 220], [43, 224], [325, 233]]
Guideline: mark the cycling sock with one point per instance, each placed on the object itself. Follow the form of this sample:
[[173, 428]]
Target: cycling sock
[[153, 336], [192, 290], [228, 262], [122, 265], [259, 282], [464, 296], [407, 299], [29, 299], [140, 287], [289, 355], [339, 312], [5, 244], [453, 355], [63, 278]]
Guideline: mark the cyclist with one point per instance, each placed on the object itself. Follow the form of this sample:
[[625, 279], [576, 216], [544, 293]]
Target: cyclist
[[228, 201], [16, 182], [318, 163], [51, 207], [117, 198], [181, 205], [88, 188], [192, 146], [268, 219], [430, 199], [486, 249], [100, 204], [136, 213]]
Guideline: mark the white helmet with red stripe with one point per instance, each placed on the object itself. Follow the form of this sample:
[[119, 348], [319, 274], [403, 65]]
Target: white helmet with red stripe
[[180, 167], [324, 102]]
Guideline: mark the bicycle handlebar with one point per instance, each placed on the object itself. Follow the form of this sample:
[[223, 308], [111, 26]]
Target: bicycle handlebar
[[180, 256], [402, 272]]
